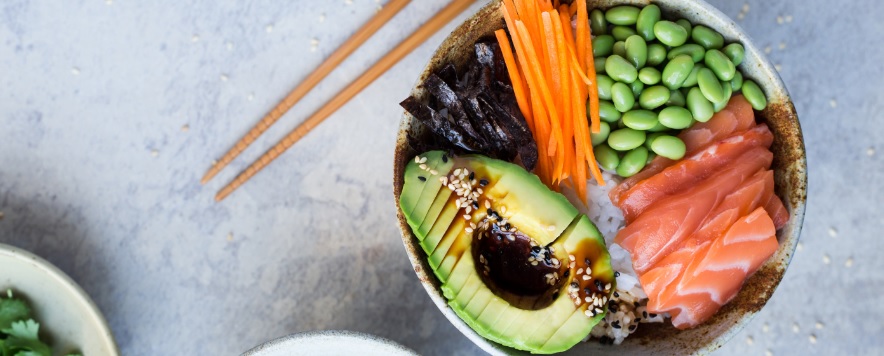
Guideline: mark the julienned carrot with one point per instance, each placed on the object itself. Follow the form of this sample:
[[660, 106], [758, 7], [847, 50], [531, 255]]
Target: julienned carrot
[[515, 78], [581, 35], [555, 75], [566, 95], [540, 81]]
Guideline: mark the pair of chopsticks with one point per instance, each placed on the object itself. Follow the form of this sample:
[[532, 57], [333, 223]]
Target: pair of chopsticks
[[400, 51]]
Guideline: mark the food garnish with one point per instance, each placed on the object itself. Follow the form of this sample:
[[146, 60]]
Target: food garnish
[[18, 330]]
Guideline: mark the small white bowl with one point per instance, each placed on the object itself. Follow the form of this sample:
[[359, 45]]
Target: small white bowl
[[69, 320], [330, 342]]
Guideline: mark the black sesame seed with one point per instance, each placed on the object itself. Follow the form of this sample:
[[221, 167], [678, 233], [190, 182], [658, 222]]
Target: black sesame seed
[[644, 314], [616, 295], [632, 327], [616, 324], [574, 285], [507, 226], [536, 249], [586, 260], [604, 340], [612, 307], [556, 295], [445, 158], [616, 274], [489, 211], [482, 182], [422, 178], [499, 237], [653, 315], [587, 291], [472, 175], [567, 272], [636, 304], [475, 205], [638, 319], [598, 284]]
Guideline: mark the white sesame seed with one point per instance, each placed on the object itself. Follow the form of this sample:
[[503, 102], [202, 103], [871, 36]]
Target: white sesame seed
[[598, 311], [800, 246], [469, 230], [832, 232], [480, 191], [503, 210], [534, 263], [870, 151], [457, 172], [585, 277], [467, 217], [812, 338], [750, 340], [768, 352], [579, 270], [469, 209], [511, 237], [788, 18], [765, 327], [588, 270], [571, 257], [780, 20], [849, 262], [487, 204], [423, 160], [795, 328], [740, 16], [778, 67], [827, 259], [782, 45], [472, 225], [444, 180], [819, 325], [767, 49], [746, 7], [457, 203], [423, 166], [571, 265], [607, 286], [833, 103], [531, 259], [434, 172], [586, 312], [555, 261]]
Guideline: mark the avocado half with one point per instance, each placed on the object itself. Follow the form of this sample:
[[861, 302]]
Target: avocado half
[[517, 262]]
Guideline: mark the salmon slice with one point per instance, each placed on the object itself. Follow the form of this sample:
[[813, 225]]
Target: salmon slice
[[661, 229], [691, 170], [754, 192], [733, 118], [777, 211], [712, 279], [668, 270]]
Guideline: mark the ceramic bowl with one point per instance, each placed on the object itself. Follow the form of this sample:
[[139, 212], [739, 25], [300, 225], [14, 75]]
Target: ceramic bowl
[[68, 319], [789, 167], [330, 342]]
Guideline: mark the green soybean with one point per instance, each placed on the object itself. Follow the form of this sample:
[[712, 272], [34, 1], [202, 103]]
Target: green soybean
[[647, 17], [606, 156], [726, 87], [685, 24], [675, 117], [637, 87], [651, 137], [621, 33], [597, 22], [637, 51], [608, 112], [737, 82], [707, 37], [670, 33], [656, 54], [691, 80], [626, 139], [676, 98], [694, 50], [622, 97], [677, 70], [754, 95], [654, 97], [599, 63], [604, 83], [620, 69], [669, 146], [700, 107], [720, 65], [640, 119], [709, 85], [632, 162], [735, 52], [622, 15], [602, 135], [658, 128], [620, 48], [602, 45], [649, 75]]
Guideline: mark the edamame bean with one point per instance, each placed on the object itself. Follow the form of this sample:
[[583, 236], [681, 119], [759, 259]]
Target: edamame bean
[[621, 33], [700, 107], [656, 54], [707, 37], [677, 70], [754, 95], [599, 63], [659, 127], [637, 51], [602, 45], [604, 83], [607, 157], [654, 97], [691, 80], [726, 87], [622, 15], [620, 69], [675, 117], [720, 65], [608, 112], [602, 135], [620, 48], [669, 146], [651, 137], [737, 82], [632, 162], [670, 33], [649, 75], [676, 98], [648, 16], [694, 50], [735, 52], [637, 87], [626, 139], [597, 22], [709, 85], [640, 119], [685, 24], [622, 97]]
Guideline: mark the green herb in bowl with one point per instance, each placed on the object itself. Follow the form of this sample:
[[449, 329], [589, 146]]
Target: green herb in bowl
[[19, 333]]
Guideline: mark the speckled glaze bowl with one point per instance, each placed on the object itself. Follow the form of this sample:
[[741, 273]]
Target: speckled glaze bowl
[[790, 176], [330, 342]]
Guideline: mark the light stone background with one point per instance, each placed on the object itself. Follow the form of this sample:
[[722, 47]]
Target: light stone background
[[110, 111]]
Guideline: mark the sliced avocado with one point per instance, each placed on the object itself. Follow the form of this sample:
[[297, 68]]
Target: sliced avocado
[[510, 272], [420, 186]]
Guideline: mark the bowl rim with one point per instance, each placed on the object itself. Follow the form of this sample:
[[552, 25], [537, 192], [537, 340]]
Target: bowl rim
[[63, 280], [764, 74], [294, 341]]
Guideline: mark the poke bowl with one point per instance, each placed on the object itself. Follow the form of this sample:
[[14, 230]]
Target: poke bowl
[[788, 169]]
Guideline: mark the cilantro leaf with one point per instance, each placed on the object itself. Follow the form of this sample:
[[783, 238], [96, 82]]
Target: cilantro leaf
[[22, 336], [12, 310]]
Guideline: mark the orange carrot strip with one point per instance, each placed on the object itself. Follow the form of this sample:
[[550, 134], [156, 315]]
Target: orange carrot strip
[[567, 95], [555, 77], [515, 77], [581, 37], [539, 81]]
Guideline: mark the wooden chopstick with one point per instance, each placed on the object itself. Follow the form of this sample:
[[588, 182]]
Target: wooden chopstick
[[358, 38], [404, 48]]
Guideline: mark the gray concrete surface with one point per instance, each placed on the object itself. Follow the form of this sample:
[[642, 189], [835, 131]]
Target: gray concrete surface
[[110, 111]]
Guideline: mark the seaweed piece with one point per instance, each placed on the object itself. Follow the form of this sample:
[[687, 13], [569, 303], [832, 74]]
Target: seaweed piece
[[438, 125], [518, 135], [448, 98]]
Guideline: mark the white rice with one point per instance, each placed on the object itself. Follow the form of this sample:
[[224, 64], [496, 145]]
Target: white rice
[[632, 298]]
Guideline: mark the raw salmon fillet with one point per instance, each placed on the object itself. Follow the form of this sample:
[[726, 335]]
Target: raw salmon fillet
[[691, 170], [661, 229], [716, 274]]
